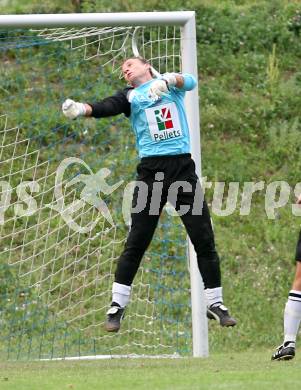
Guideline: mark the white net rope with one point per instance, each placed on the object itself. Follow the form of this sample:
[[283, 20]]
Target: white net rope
[[58, 251], [159, 45], [59, 270]]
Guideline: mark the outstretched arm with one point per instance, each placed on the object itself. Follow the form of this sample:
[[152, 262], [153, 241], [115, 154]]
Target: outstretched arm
[[112, 105]]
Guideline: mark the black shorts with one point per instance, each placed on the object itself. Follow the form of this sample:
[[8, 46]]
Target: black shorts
[[178, 168]]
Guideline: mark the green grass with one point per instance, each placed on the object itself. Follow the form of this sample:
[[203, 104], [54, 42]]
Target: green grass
[[244, 371]]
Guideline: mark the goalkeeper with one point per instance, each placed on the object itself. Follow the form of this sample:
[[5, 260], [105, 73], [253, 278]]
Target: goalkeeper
[[155, 107]]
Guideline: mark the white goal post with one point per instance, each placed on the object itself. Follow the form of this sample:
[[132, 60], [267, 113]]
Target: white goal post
[[185, 20]]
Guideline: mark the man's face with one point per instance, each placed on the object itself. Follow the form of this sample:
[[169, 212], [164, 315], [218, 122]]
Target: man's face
[[133, 70]]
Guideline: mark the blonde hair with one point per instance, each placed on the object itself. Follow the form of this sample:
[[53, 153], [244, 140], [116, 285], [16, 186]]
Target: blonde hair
[[143, 60]]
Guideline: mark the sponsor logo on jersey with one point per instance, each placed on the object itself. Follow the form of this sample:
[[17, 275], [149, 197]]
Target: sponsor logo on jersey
[[164, 122]]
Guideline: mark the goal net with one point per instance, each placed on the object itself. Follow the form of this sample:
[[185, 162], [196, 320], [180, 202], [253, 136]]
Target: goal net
[[65, 189]]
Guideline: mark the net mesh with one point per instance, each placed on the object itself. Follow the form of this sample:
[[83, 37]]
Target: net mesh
[[58, 249], [112, 45]]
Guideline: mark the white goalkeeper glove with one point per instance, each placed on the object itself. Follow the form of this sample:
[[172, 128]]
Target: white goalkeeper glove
[[161, 86], [72, 109]]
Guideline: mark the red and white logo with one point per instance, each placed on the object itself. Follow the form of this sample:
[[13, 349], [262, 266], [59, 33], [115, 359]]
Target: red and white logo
[[163, 122]]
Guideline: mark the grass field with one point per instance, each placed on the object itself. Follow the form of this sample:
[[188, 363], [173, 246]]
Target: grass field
[[246, 370]]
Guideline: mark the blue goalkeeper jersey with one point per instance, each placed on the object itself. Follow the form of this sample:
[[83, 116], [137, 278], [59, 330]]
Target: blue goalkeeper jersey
[[160, 127]]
